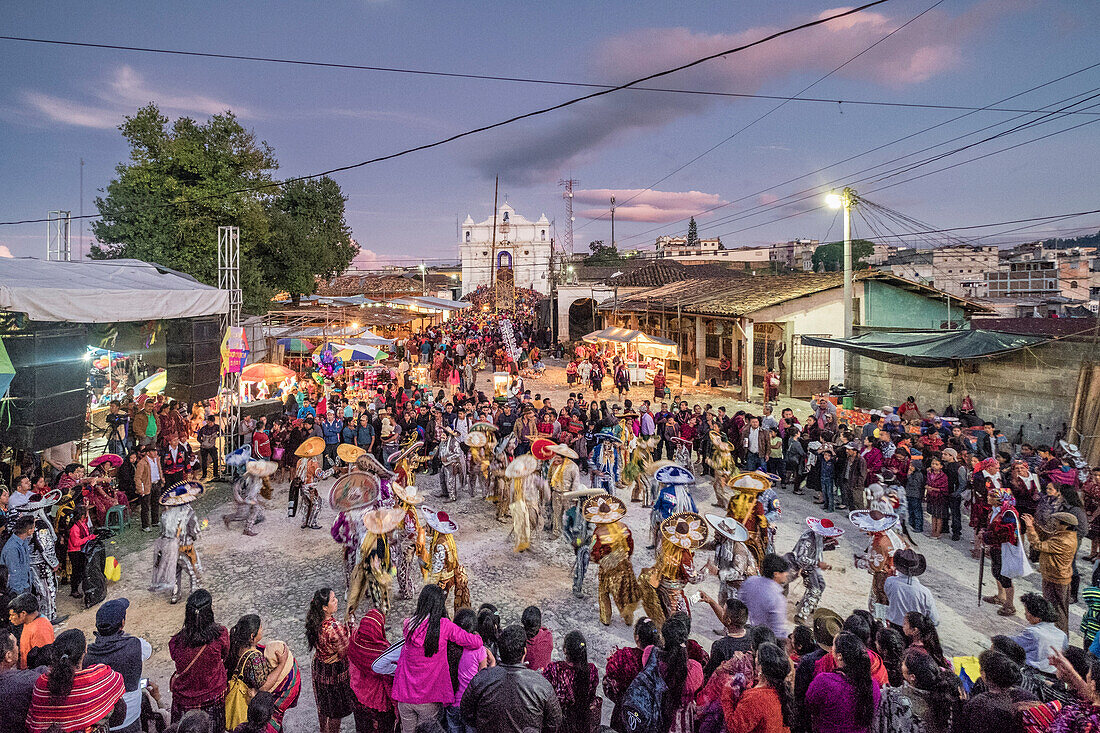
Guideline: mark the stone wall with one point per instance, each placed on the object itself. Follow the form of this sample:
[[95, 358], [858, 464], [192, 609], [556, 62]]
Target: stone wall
[[1032, 387]]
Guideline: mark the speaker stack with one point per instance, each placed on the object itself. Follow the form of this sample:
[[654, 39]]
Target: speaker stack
[[48, 396], [192, 348]]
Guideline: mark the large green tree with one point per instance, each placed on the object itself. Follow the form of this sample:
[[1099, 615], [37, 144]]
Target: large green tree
[[831, 256], [309, 237], [692, 235]]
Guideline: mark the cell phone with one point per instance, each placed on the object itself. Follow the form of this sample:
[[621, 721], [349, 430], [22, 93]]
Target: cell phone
[[143, 683]]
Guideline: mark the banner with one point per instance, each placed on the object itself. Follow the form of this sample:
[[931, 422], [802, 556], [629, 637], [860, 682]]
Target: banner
[[509, 337], [234, 350]]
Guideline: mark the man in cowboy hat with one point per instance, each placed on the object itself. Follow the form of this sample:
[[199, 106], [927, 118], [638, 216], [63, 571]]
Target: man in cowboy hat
[[606, 460], [905, 593], [611, 549], [578, 532], [731, 556], [807, 559], [564, 477]]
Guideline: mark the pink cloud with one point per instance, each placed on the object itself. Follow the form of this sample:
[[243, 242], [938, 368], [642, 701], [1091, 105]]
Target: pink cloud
[[364, 260], [635, 204], [4, 251]]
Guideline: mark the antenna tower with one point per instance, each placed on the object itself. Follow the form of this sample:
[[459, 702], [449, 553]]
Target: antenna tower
[[58, 236], [567, 243]]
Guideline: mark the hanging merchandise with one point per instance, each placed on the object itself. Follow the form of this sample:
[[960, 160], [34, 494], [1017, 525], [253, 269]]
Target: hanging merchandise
[[234, 350], [509, 337]]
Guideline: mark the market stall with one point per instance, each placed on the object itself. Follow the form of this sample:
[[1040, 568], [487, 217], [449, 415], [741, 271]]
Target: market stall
[[644, 354]]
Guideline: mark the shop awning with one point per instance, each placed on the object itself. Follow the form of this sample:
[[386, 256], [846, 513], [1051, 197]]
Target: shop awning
[[647, 345], [928, 348]]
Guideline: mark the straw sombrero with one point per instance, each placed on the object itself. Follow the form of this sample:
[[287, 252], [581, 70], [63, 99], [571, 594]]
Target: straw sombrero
[[540, 449], [439, 521], [407, 494], [563, 450], [686, 530], [261, 468], [524, 465], [582, 493], [311, 447], [406, 452], [354, 491], [484, 425], [728, 527], [824, 527], [184, 492], [674, 474], [43, 501], [381, 521], [605, 509], [476, 439], [367, 462], [872, 520], [752, 482], [349, 453]]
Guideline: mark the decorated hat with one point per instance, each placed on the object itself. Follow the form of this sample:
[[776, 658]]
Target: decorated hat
[[261, 468], [540, 449], [886, 476], [184, 492], [476, 439], [524, 465], [605, 509], [41, 501], [407, 494], [381, 521], [872, 520], [238, 457], [606, 434], [654, 466], [989, 464], [1068, 448], [111, 459], [910, 563], [439, 521], [367, 462], [563, 450], [753, 482], [311, 447], [484, 426], [354, 491], [719, 441], [674, 474], [582, 493], [678, 439], [824, 527], [686, 530], [728, 527], [349, 453], [628, 414], [406, 452]]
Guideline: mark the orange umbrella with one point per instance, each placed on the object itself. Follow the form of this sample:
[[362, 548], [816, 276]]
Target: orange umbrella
[[265, 373]]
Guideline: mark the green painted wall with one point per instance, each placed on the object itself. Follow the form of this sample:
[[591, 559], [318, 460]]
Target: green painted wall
[[887, 306]]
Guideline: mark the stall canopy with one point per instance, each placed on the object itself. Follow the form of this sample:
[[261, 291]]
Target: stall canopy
[[928, 348], [647, 345], [429, 302], [106, 291]]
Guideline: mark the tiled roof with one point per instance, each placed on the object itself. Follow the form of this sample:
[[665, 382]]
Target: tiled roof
[[370, 285], [663, 272]]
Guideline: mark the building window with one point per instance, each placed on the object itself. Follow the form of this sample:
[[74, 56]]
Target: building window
[[504, 259], [505, 216], [542, 234], [526, 251], [467, 235]]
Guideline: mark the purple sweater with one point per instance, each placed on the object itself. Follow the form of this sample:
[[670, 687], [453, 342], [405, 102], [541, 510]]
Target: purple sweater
[[832, 701]]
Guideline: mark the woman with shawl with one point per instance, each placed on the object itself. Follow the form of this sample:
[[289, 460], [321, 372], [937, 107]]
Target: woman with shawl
[[374, 710]]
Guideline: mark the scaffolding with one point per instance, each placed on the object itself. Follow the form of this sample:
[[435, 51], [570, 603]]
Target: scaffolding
[[58, 236], [229, 279]]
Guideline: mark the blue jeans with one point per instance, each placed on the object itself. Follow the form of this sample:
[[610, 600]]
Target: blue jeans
[[916, 513], [827, 494], [753, 462]]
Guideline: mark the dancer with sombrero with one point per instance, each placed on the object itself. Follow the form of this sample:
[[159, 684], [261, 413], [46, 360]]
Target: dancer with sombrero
[[350, 497], [307, 474], [634, 474], [349, 454], [756, 505], [248, 497], [43, 552], [502, 484], [529, 491], [721, 462], [407, 460], [174, 552], [611, 550], [682, 452], [480, 457], [564, 477], [807, 558], [606, 460], [373, 573], [410, 539], [453, 475], [444, 569], [663, 584], [878, 558], [578, 533], [731, 556], [672, 495]]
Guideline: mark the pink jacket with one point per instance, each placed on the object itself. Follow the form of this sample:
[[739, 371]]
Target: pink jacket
[[420, 679]]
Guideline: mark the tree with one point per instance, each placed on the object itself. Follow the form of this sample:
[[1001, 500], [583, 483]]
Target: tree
[[831, 255], [693, 235], [309, 237], [602, 254]]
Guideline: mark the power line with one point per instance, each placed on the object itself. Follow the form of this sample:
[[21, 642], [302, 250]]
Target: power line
[[526, 115], [494, 77]]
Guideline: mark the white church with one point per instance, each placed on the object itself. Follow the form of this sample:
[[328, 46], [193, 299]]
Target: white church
[[521, 244]]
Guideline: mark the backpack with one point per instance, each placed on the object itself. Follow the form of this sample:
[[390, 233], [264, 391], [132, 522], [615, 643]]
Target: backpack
[[639, 709]]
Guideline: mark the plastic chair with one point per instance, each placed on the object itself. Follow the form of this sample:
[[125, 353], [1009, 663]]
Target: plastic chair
[[117, 518]]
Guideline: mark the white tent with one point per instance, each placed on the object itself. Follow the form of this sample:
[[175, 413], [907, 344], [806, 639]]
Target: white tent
[[647, 345], [103, 291]]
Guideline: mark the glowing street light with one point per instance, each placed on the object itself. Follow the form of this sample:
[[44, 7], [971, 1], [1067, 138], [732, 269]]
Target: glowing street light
[[845, 200]]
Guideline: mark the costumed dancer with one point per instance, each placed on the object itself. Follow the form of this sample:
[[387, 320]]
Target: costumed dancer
[[411, 542], [350, 497], [663, 584], [883, 495], [721, 462], [682, 453], [307, 474], [878, 558], [373, 573], [453, 475], [43, 552], [606, 460], [1003, 536], [612, 547], [174, 552], [672, 495], [756, 505], [444, 568], [564, 478], [731, 556], [529, 491], [627, 443], [407, 460], [634, 474], [579, 532], [480, 453], [249, 493], [807, 558], [502, 485]]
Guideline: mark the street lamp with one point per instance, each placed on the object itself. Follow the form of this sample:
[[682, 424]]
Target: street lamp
[[845, 200]]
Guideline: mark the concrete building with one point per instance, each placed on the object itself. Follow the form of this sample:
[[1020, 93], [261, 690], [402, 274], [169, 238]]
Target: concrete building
[[522, 247], [671, 246], [953, 268], [796, 254]]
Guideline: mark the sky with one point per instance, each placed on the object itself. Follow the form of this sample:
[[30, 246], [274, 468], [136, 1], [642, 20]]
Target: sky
[[753, 171]]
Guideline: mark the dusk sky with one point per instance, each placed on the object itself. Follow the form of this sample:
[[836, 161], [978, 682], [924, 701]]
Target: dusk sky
[[58, 104]]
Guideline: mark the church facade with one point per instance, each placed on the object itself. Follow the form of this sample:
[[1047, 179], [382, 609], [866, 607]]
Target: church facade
[[522, 246]]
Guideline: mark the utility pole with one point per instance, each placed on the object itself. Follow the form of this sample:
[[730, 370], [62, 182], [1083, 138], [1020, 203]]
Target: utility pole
[[567, 246], [493, 262], [612, 222], [846, 199], [423, 279], [80, 244]]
